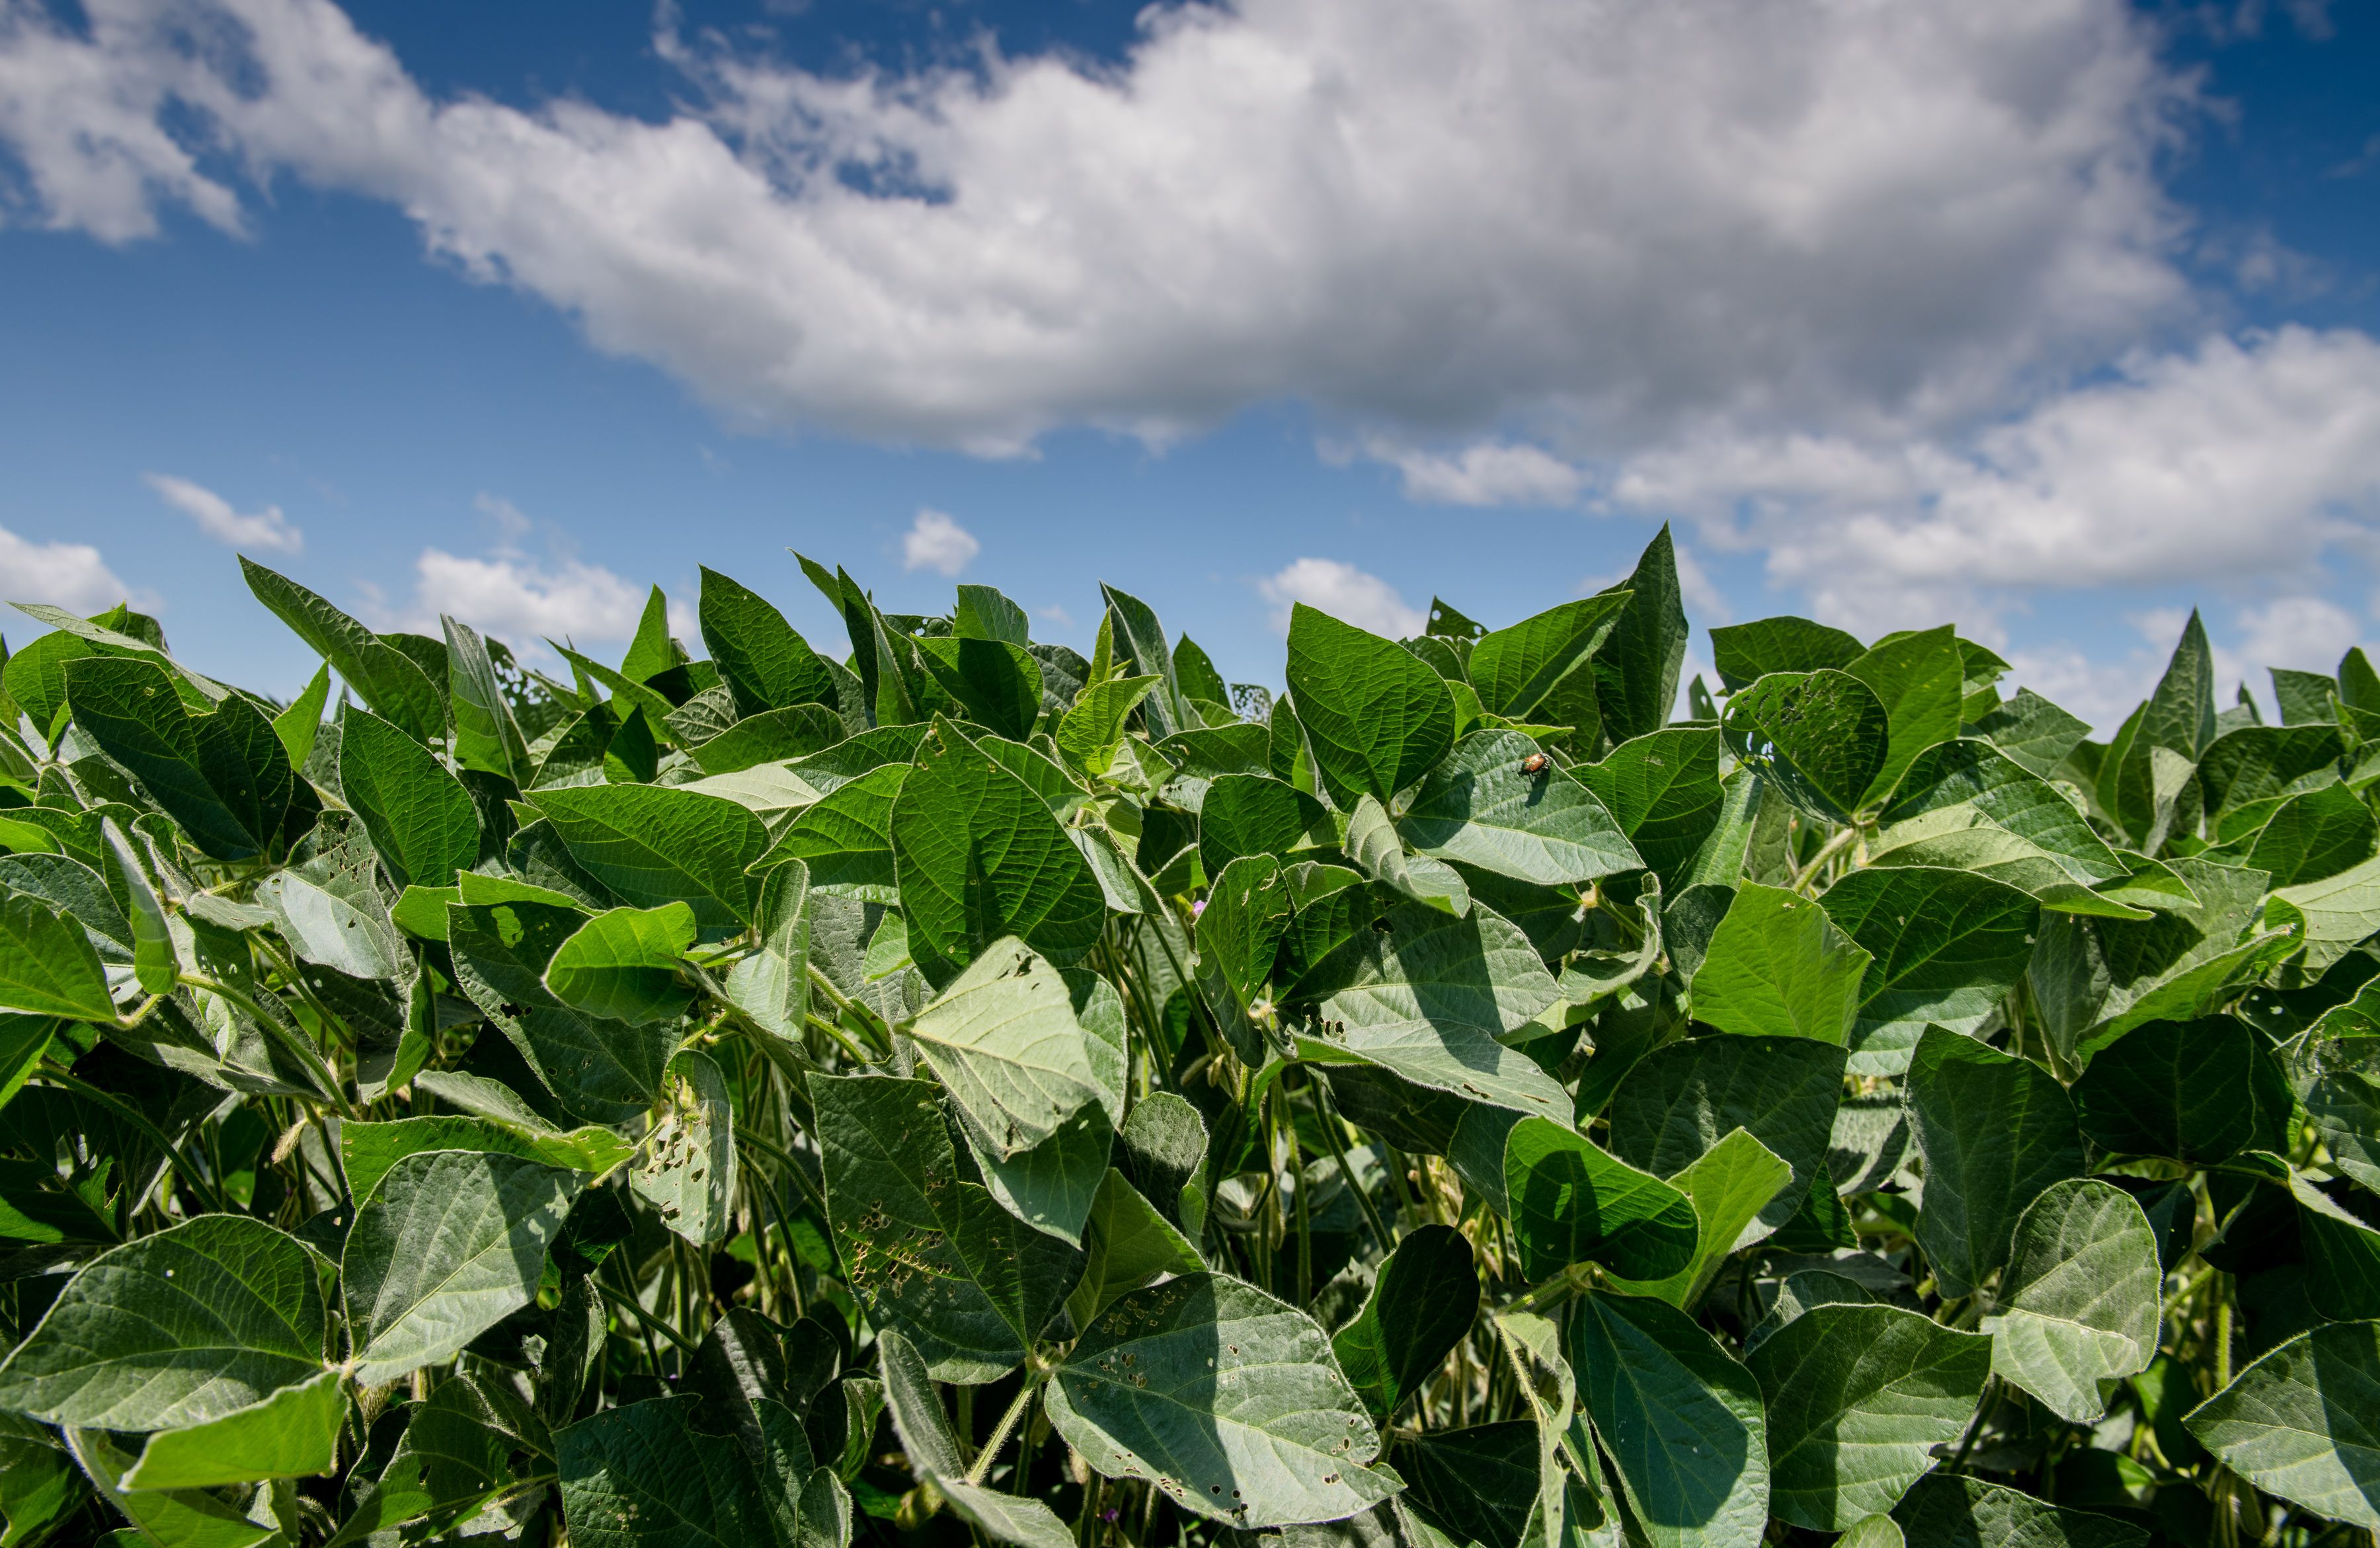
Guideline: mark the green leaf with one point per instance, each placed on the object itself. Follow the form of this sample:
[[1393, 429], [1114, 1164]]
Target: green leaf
[[193, 1324], [654, 845], [649, 653], [1824, 737], [763, 661], [1373, 845], [1127, 1243], [622, 965], [655, 1475], [1572, 1201], [1428, 997], [1476, 1485], [1681, 1418], [1731, 1186], [2077, 1304], [689, 1171], [980, 857], [450, 1243], [604, 1070], [1140, 635], [1919, 678], [292, 1434], [2032, 733], [1513, 668], [2175, 1088], [1092, 730], [1636, 670], [420, 817], [1679, 1102], [1947, 945], [1995, 1133], [998, 684], [983, 614], [176, 1519], [2300, 1423], [2257, 763], [914, 1238], [1873, 1531], [1968, 1513], [385, 676], [1778, 966], [1663, 788], [1376, 717], [1746, 652], [2314, 836], [771, 985], [2094, 980], [1230, 1400], [1422, 1303], [847, 837], [1481, 806], [1240, 929], [1965, 806], [366, 1151], [772, 736], [486, 736], [1250, 814], [337, 917], [224, 776], [297, 725], [2339, 912], [1859, 1398], [47, 967], [1004, 1041]]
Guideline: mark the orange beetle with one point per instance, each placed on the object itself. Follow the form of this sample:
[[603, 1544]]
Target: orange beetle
[[1535, 763]]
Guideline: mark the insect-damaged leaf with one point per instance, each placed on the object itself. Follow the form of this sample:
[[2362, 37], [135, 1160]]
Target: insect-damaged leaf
[[1005, 1041], [1824, 737], [1228, 1401], [929, 1252], [689, 1170]]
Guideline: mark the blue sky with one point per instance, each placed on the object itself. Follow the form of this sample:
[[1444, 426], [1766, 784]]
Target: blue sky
[[2055, 318]]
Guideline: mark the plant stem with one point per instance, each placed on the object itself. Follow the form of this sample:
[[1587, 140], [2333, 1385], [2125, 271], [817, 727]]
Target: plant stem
[[1841, 840], [1329, 1111], [156, 1136], [1008, 1421], [1975, 1426], [644, 1320]]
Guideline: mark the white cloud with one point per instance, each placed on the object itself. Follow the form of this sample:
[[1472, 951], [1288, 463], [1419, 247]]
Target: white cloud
[[69, 576], [1058, 616], [2303, 633], [1614, 219], [1486, 473], [267, 528], [936, 542], [1345, 593], [519, 597], [2239, 461]]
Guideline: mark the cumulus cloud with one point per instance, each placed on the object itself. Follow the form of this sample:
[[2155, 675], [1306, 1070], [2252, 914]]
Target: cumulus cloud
[[266, 529], [2239, 461], [519, 597], [1620, 219], [2303, 633], [69, 576], [1345, 593], [936, 542], [1485, 473]]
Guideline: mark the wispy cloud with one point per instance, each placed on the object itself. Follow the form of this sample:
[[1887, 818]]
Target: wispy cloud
[[519, 597], [267, 529]]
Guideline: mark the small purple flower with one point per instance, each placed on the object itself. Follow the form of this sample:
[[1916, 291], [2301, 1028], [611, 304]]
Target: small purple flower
[[1198, 908], [1111, 1514]]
